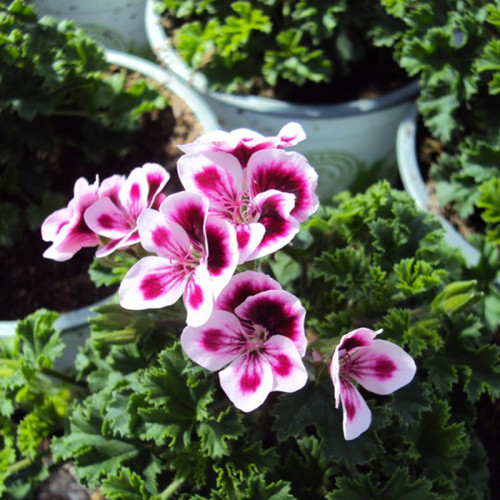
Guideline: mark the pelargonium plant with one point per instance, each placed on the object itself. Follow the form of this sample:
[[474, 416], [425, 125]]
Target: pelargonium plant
[[288, 311]]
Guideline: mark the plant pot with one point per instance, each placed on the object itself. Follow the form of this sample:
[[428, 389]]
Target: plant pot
[[351, 145], [116, 24], [413, 182], [74, 324]]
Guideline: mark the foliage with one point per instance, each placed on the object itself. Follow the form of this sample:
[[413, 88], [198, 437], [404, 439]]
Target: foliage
[[251, 47], [56, 95], [155, 425], [454, 49]]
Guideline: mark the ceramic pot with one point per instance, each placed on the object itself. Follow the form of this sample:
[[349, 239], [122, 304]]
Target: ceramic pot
[[351, 145], [116, 24], [413, 182]]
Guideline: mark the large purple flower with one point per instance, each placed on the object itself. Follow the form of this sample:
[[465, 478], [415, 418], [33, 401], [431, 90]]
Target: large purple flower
[[265, 202], [196, 255], [378, 365], [243, 142], [121, 200], [255, 336], [66, 227]]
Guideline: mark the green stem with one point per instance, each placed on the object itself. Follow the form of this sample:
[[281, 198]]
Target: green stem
[[171, 488], [21, 464], [64, 378]]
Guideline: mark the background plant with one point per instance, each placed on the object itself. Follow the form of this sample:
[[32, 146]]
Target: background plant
[[154, 425], [453, 47], [56, 94], [247, 46]]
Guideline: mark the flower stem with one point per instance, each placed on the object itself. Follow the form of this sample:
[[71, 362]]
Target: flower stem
[[171, 488], [64, 378]]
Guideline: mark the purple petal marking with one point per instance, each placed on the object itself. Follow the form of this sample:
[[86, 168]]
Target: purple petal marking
[[188, 210], [279, 313], [198, 297], [242, 286], [152, 282], [247, 381], [274, 208], [249, 236], [288, 172], [357, 338], [215, 344], [382, 367], [223, 254]]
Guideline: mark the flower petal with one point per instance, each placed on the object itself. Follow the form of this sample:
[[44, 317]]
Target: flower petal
[[279, 313], [360, 337], [382, 367], [128, 240], [156, 177], [216, 140], [215, 344], [134, 193], [242, 286], [66, 227], [247, 381], [288, 172], [274, 214], [290, 135], [357, 415], [249, 237], [223, 252], [106, 219], [216, 175], [289, 372], [151, 283], [198, 297], [160, 237], [188, 210]]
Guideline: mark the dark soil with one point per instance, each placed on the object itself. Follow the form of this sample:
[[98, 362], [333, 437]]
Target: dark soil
[[30, 281]]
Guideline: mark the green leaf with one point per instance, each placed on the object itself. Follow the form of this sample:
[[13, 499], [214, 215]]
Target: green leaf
[[95, 454], [39, 341], [314, 406], [124, 485], [399, 486], [438, 444], [215, 433]]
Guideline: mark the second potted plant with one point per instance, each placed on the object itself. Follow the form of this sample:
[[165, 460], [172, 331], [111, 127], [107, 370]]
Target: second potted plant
[[261, 65]]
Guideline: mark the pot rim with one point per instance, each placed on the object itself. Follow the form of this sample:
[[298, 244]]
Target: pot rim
[[162, 47], [411, 177]]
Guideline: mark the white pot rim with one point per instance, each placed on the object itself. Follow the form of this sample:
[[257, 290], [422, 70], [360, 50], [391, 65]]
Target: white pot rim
[[409, 171], [162, 47]]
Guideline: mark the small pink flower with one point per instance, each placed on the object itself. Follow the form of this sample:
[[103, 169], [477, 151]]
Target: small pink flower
[[66, 227], [255, 336], [377, 365], [196, 255], [242, 142], [121, 200], [265, 202]]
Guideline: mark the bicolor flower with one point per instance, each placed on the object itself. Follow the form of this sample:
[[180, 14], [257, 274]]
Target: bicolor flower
[[377, 365], [255, 337], [121, 200], [242, 142], [195, 257], [265, 202], [66, 227]]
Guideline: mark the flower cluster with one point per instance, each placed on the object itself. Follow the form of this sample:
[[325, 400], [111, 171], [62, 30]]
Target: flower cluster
[[244, 197]]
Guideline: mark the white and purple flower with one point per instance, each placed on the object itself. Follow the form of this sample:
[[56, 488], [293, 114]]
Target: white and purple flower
[[377, 365], [196, 255], [66, 227], [243, 142], [113, 217], [255, 337], [265, 202]]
